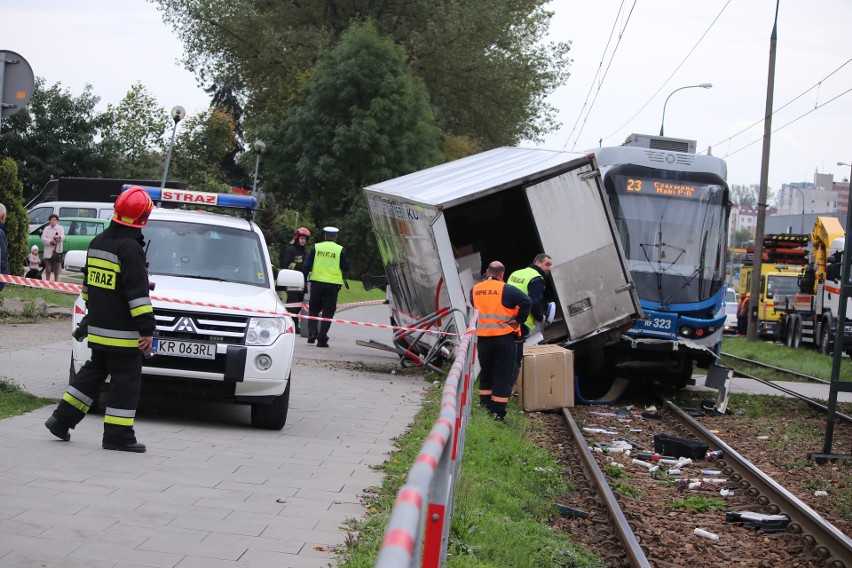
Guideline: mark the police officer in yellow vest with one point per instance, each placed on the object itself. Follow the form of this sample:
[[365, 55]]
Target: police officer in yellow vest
[[530, 281], [327, 262], [501, 309]]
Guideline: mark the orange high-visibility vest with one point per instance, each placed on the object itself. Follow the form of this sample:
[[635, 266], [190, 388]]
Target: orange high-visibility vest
[[493, 315]]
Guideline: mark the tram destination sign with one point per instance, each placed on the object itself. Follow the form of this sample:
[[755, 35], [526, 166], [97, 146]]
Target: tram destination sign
[[660, 187]]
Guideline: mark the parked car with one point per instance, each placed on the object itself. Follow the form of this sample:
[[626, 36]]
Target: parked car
[[41, 213], [79, 232], [730, 311]]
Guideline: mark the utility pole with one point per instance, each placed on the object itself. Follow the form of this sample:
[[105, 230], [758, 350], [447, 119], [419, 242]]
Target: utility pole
[[757, 265]]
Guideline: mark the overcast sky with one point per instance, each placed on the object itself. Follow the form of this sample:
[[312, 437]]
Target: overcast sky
[[112, 44]]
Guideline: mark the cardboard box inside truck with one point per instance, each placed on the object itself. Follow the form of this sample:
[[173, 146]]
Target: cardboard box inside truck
[[546, 381]]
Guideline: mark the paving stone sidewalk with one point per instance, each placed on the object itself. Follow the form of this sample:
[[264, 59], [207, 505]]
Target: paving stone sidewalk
[[211, 491]]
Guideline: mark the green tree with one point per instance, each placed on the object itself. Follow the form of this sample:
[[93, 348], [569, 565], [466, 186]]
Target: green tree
[[55, 135], [203, 143], [135, 134], [742, 238], [364, 118], [747, 194], [17, 222], [485, 63]]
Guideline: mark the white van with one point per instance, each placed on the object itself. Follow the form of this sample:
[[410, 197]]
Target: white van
[[40, 214]]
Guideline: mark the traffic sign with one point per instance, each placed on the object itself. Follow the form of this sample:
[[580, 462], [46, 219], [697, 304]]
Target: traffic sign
[[16, 82]]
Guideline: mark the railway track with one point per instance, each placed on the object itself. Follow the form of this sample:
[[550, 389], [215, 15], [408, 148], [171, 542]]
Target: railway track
[[809, 401], [639, 527]]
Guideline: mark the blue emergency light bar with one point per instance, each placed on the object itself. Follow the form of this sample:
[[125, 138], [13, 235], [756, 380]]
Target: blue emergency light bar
[[198, 197]]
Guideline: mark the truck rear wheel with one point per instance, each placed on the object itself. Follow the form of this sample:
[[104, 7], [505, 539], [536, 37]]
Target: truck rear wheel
[[272, 416]]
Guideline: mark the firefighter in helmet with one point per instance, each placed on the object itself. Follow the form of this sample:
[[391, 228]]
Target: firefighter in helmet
[[120, 327], [293, 258]]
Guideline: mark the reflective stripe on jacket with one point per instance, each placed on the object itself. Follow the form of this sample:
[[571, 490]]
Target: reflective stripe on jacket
[[493, 315], [521, 279], [326, 267], [116, 290]]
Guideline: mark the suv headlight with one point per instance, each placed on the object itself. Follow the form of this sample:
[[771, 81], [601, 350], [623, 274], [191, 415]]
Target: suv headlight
[[264, 331]]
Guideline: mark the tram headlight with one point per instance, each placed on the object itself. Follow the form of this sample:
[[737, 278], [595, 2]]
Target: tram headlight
[[685, 331]]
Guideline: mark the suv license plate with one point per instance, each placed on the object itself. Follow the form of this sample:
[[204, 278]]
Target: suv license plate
[[190, 349]]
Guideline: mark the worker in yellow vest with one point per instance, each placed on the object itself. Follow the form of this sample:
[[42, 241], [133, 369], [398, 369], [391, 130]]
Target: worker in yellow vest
[[531, 281], [501, 310], [326, 263]]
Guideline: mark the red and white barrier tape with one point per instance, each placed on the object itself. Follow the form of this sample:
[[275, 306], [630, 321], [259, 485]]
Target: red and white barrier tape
[[75, 288], [45, 284]]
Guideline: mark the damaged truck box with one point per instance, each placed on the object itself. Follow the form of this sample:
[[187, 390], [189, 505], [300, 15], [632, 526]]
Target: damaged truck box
[[438, 228]]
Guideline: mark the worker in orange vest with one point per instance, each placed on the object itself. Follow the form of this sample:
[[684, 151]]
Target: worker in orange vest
[[502, 309]]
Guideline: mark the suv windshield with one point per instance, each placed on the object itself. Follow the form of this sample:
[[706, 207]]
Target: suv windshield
[[194, 250]]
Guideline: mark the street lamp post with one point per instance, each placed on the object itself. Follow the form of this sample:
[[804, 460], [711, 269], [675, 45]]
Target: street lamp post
[[177, 112], [259, 148], [702, 85]]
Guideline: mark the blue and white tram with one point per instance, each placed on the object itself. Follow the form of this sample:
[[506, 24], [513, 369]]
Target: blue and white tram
[[671, 207]]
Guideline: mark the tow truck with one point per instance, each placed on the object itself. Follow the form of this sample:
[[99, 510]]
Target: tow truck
[[783, 258], [222, 329], [810, 314]]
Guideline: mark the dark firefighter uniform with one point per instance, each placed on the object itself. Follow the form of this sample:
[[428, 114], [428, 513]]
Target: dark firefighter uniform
[[120, 312], [327, 262], [293, 258], [497, 304]]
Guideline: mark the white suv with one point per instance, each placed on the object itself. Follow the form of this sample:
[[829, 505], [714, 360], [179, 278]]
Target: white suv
[[222, 329]]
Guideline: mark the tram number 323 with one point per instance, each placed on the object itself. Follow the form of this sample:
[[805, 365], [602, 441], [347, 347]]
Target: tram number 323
[[659, 323]]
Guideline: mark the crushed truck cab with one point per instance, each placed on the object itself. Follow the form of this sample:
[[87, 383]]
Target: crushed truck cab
[[222, 330]]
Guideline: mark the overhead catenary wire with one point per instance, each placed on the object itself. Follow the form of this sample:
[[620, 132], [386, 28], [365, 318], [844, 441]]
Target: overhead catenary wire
[[782, 107], [597, 72], [790, 122], [612, 57], [666, 82]]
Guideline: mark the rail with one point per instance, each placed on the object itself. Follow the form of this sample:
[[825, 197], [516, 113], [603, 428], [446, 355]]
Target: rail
[[418, 530]]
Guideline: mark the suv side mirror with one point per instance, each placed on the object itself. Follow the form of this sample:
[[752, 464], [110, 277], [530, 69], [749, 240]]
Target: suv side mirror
[[75, 260], [290, 281]]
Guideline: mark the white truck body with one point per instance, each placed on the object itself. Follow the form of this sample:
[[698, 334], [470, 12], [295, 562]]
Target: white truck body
[[437, 229]]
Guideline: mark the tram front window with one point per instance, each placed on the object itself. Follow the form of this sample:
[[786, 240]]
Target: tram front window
[[674, 245]]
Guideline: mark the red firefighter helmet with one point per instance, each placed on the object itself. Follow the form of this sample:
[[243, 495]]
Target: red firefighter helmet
[[302, 232], [133, 207]]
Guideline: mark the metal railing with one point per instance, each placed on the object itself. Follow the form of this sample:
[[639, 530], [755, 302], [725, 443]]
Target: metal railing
[[418, 529]]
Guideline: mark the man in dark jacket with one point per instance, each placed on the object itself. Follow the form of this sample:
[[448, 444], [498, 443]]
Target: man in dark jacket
[[530, 281], [293, 258], [120, 327]]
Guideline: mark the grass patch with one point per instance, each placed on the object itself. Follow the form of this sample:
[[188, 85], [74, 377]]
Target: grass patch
[[503, 499], [356, 293], [803, 360], [697, 504], [14, 401], [26, 294]]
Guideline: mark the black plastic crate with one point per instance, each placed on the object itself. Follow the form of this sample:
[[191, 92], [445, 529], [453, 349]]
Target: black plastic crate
[[678, 447]]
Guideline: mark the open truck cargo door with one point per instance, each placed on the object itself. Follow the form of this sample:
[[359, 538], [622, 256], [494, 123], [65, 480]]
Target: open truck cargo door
[[438, 228], [575, 227]]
